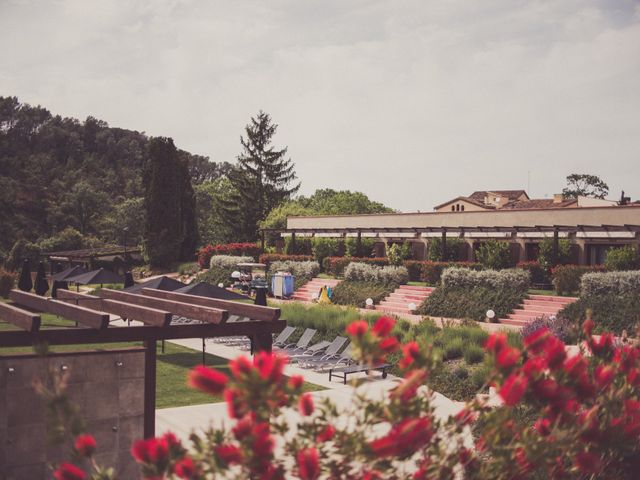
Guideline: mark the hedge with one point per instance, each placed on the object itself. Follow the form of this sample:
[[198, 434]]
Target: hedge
[[464, 278], [611, 313], [566, 278], [335, 265], [244, 249], [539, 276], [431, 272], [374, 274], [614, 283], [356, 292], [269, 258], [302, 271], [220, 269]]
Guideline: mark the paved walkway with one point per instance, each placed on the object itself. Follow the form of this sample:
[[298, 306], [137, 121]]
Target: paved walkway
[[185, 420]]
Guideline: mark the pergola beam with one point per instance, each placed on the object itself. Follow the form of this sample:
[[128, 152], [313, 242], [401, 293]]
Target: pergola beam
[[23, 319]]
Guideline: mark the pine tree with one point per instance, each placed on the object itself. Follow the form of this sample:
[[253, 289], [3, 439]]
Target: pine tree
[[262, 180], [170, 225]]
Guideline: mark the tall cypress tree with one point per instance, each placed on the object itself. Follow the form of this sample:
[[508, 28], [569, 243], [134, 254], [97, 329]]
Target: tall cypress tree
[[170, 226], [263, 179]]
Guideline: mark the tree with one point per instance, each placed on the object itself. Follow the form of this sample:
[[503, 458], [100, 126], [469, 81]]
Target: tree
[[170, 228], [263, 179], [582, 184], [494, 254], [212, 228]]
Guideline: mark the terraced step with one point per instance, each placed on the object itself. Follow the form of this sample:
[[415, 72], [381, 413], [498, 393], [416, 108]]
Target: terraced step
[[313, 286], [535, 306], [398, 301]]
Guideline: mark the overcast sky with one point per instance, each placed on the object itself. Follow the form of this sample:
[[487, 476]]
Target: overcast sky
[[411, 102]]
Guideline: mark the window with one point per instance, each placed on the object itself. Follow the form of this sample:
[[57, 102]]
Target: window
[[462, 208], [453, 208], [457, 208]]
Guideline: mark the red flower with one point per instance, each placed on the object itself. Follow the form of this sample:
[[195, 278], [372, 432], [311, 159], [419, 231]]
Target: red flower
[[602, 345], [546, 389], [240, 366], [296, 382], [513, 389], [152, 450], [306, 404], [587, 327], [411, 351], [495, 342], [604, 375], [575, 366], [185, 468], [466, 416], [389, 344], [555, 352], [262, 442], [383, 326], [85, 445], [534, 366], [536, 341], [68, 471], [404, 438], [357, 328], [228, 453], [327, 434], [243, 427], [235, 405], [269, 366], [308, 464], [588, 462], [507, 357], [543, 426], [207, 380]]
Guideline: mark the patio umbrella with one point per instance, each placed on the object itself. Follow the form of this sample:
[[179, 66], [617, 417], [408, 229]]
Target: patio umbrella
[[24, 283], [128, 280], [41, 284], [96, 277], [58, 285], [69, 272], [204, 289], [261, 296], [158, 283]]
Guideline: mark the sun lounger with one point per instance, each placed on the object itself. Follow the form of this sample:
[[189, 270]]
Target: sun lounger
[[281, 339], [342, 372], [301, 344], [325, 362], [312, 351], [331, 353]]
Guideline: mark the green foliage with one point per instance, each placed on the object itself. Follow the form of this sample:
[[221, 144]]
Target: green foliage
[[610, 312], [302, 271], [336, 265], [622, 258], [374, 274], [326, 247], [67, 239], [170, 223], [473, 354], [494, 254], [397, 253], [21, 250], [604, 283], [538, 274], [7, 282], [470, 303], [545, 253], [301, 246], [356, 292], [220, 269], [210, 198], [263, 179], [431, 272], [581, 184], [364, 250], [464, 278], [452, 253], [128, 213], [566, 278], [189, 268]]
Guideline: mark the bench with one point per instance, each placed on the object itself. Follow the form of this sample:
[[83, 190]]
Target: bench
[[335, 372]]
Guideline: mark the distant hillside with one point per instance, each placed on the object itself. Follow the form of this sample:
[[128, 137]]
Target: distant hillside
[[60, 172]]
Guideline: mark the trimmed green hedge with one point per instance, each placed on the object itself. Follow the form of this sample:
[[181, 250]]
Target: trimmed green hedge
[[471, 303], [611, 313], [430, 272], [356, 292]]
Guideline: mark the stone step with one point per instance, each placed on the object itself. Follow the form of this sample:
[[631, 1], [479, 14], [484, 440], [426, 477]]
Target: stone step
[[551, 298], [392, 304], [416, 288], [508, 321], [392, 310], [412, 298]]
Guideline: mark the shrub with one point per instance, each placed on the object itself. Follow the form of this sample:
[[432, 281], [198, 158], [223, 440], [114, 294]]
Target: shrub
[[302, 271], [356, 292], [453, 349], [559, 326], [464, 278], [7, 282], [616, 283], [374, 274], [397, 254], [366, 247], [237, 249], [566, 278], [545, 253], [22, 249], [326, 247], [268, 258], [615, 313], [473, 354], [622, 258], [335, 265], [302, 246], [471, 303], [452, 253], [539, 276], [190, 268], [494, 254], [221, 267], [430, 272]]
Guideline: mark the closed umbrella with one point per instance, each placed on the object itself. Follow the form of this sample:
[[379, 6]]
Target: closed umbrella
[[128, 280], [159, 283], [203, 289], [24, 283], [96, 277], [41, 284]]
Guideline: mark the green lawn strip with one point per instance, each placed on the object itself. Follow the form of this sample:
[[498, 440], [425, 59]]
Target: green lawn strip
[[417, 284]]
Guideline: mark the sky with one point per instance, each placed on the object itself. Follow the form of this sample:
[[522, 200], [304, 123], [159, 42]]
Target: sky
[[412, 102]]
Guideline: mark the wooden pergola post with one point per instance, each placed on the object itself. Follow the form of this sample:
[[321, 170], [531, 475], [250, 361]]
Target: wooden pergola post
[[150, 355], [556, 245], [359, 244], [443, 246]]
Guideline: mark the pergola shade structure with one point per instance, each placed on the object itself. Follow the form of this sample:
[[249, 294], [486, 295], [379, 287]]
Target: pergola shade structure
[[154, 308]]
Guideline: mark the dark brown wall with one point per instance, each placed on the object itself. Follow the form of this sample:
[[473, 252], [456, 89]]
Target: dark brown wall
[[110, 398]]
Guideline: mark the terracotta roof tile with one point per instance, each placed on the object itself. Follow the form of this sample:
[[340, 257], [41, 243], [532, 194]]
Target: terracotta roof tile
[[539, 203]]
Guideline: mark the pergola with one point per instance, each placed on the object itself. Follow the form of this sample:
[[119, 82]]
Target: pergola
[[460, 230], [89, 255], [154, 308]]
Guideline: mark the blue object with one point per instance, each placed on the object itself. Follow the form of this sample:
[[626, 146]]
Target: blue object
[[282, 285]]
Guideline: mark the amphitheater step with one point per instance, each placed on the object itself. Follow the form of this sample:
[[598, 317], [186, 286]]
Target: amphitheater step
[[308, 290], [398, 301], [536, 306]]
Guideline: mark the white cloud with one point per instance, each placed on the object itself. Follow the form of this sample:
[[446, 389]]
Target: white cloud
[[412, 102]]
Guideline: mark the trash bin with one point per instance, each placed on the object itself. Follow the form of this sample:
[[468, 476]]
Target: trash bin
[[282, 285]]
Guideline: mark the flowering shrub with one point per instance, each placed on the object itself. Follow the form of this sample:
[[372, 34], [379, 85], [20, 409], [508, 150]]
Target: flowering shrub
[[373, 274], [517, 280], [238, 248], [610, 283], [430, 272], [583, 419], [539, 275], [336, 265], [557, 325], [220, 269], [303, 271]]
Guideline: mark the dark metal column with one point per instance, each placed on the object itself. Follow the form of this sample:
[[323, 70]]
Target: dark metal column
[[150, 388], [443, 246], [556, 245]]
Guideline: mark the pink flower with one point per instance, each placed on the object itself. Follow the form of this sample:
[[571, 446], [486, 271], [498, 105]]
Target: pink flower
[[185, 468], [306, 404], [228, 454], [85, 445], [588, 462], [296, 382], [240, 366], [411, 351], [327, 434], [507, 357], [207, 380], [513, 389], [152, 450], [308, 464], [68, 471], [357, 328], [495, 342], [604, 375], [389, 344]]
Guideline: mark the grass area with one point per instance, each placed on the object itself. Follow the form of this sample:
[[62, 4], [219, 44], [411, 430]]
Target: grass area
[[326, 275], [418, 284]]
